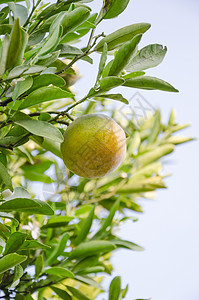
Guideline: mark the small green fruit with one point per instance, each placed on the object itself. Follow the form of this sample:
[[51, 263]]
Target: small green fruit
[[94, 146]]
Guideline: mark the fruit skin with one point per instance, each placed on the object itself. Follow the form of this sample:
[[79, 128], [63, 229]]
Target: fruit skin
[[94, 146]]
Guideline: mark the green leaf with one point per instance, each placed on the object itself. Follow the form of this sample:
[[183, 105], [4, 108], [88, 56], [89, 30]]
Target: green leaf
[[4, 54], [18, 41], [67, 49], [155, 130], [109, 219], [19, 11], [149, 83], [127, 245], [17, 275], [77, 293], [142, 185], [176, 140], [85, 228], [88, 280], [45, 94], [61, 293], [14, 242], [91, 248], [113, 8], [38, 265], [115, 288], [29, 206], [148, 57], [52, 42], [33, 69], [11, 260], [58, 271], [133, 74], [21, 87], [102, 63], [17, 71], [154, 155], [41, 128], [58, 221], [5, 28], [4, 175], [110, 82], [124, 55], [74, 18], [59, 249], [45, 80], [121, 36], [32, 244]]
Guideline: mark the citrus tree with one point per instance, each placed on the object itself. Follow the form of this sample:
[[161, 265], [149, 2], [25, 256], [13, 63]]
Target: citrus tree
[[60, 248]]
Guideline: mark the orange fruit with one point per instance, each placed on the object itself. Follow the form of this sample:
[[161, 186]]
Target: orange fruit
[[94, 146]]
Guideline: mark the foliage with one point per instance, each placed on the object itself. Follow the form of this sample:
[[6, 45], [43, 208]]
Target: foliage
[[61, 248]]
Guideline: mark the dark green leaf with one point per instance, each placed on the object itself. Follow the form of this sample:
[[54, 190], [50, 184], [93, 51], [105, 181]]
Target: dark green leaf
[[85, 227], [14, 242], [109, 219], [18, 41], [45, 80], [74, 18], [41, 128], [58, 271], [91, 248], [44, 94], [115, 288], [38, 265], [77, 293], [4, 175], [29, 206], [61, 293], [149, 83], [59, 249], [17, 275], [11, 260], [32, 244], [117, 97], [4, 54], [110, 82], [124, 55], [121, 36], [113, 8]]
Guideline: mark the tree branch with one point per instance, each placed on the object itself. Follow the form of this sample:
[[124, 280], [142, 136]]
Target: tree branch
[[5, 102]]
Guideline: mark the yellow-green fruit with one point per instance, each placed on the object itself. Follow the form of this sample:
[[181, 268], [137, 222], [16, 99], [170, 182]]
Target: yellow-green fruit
[[94, 146]]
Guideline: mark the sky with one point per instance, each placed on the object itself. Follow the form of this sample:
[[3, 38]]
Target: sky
[[168, 228], [168, 269]]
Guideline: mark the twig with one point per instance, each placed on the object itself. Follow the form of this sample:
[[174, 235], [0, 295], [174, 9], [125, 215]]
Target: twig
[[43, 18], [31, 13], [6, 146], [89, 47], [5, 102]]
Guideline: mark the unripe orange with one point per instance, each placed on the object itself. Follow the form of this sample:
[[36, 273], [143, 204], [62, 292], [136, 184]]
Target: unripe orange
[[94, 146]]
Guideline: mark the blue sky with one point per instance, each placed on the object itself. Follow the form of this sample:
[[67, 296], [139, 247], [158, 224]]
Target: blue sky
[[168, 229]]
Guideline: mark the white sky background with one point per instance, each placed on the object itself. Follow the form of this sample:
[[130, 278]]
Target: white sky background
[[168, 229]]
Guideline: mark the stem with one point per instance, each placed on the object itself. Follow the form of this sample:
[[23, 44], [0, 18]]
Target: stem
[[31, 13]]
